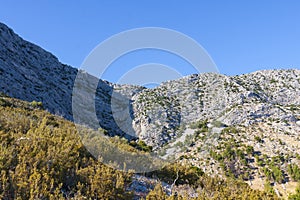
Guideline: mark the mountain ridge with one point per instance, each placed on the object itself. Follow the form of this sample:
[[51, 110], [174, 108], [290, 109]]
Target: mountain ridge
[[245, 126], [36, 74]]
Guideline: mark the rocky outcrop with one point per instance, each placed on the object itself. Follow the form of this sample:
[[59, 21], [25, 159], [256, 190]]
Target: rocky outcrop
[[243, 99], [156, 115], [30, 73]]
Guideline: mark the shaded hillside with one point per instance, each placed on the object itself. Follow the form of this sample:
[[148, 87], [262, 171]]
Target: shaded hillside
[[30, 73]]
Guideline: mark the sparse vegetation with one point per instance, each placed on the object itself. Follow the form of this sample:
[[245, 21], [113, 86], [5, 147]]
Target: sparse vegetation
[[201, 125], [294, 172]]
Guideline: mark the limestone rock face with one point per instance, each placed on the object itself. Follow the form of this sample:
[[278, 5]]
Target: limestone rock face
[[30, 73], [237, 100], [154, 115]]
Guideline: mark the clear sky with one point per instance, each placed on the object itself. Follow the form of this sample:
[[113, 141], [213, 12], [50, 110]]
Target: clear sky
[[240, 36]]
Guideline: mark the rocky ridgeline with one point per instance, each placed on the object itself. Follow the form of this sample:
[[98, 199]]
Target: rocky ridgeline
[[157, 115], [30, 73], [244, 99]]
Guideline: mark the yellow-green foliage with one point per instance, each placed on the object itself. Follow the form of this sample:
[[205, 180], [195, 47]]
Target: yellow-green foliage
[[42, 157], [296, 196], [157, 193]]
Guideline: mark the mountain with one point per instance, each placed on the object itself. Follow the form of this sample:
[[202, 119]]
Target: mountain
[[237, 100], [30, 73], [243, 127]]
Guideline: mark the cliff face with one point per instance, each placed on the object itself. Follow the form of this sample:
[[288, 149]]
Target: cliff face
[[237, 100], [30, 73], [157, 115]]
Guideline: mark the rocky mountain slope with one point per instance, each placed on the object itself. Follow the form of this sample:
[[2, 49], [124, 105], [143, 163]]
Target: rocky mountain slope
[[30, 73], [237, 100], [245, 126]]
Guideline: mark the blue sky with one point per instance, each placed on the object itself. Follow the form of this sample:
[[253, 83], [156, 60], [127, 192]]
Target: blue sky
[[240, 36]]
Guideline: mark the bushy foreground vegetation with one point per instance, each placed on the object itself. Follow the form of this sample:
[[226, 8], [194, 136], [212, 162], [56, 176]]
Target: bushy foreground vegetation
[[42, 157]]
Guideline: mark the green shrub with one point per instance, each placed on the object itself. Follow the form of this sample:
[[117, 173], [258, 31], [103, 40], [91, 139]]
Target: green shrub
[[294, 172], [36, 104]]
